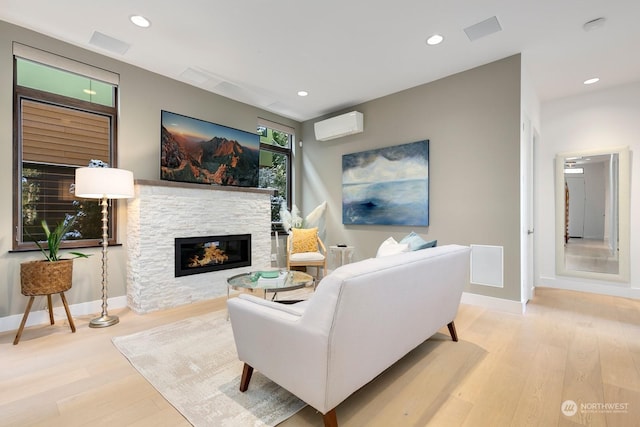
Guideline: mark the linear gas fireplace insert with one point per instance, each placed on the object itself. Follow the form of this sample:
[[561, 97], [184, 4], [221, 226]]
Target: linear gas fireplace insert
[[196, 255]]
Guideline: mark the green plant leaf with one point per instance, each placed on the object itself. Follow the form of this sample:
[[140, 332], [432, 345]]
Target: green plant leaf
[[80, 255], [55, 238]]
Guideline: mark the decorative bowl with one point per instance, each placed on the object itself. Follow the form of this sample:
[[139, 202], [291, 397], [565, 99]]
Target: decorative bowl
[[269, 274]]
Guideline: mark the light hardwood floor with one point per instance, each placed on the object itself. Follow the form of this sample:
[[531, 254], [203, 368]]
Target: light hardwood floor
[[590, 255], [506, 370]]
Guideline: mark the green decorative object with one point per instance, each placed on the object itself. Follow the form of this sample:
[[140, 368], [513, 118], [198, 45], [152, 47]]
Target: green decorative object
[[271, 274], [265, 274]]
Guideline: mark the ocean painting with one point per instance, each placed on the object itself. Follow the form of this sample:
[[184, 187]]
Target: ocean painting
[[387, 186]]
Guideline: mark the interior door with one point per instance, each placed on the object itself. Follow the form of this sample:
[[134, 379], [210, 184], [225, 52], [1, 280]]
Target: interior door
[[527, 213], [576, 205], [533, 137]]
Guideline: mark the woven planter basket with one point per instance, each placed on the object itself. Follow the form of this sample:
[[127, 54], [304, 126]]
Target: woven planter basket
[[45, 277]]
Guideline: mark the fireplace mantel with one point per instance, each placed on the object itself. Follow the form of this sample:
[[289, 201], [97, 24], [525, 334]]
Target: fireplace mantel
[[164, 210], [205, 187]]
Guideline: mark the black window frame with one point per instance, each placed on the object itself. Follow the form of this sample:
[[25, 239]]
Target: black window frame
[[276, 226]]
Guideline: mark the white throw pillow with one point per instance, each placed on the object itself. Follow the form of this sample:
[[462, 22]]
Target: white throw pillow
[[391, 247]]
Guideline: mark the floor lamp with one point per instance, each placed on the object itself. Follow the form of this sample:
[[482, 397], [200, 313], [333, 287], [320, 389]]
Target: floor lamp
[[104, 183]]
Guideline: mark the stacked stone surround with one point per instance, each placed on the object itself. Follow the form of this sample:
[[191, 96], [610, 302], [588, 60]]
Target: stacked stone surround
[[162, 211]]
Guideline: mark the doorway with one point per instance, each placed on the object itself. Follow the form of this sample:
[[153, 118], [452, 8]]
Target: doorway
[[576, 202]]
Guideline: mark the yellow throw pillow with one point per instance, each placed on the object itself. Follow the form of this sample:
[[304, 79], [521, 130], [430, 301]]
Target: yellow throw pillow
[[304, 240]]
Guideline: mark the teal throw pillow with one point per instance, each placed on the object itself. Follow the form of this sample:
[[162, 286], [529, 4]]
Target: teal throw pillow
[[416, 242]]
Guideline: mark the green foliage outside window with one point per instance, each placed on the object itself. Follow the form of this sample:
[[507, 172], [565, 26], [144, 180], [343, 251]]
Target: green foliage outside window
[[47, 195], [274, 164], [30, 196]]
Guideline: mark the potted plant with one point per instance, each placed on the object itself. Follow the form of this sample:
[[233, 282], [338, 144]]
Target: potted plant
[[53, 274]]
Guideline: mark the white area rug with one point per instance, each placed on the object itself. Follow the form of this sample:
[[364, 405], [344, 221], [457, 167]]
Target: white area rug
[[194, 365]]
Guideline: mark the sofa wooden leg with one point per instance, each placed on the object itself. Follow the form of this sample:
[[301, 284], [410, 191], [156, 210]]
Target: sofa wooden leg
[[452, 331], [330, 419], [246, 377]]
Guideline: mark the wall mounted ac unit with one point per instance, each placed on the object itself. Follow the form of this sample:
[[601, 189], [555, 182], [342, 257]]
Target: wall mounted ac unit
[[342, 125]]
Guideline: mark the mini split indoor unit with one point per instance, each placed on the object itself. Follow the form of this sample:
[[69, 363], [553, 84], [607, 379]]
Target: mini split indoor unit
[[342, 125]]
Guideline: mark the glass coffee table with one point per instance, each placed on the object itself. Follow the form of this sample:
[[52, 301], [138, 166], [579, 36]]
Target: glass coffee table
[[286, 281]]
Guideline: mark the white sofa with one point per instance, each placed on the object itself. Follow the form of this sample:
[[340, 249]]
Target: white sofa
[[362, 318]]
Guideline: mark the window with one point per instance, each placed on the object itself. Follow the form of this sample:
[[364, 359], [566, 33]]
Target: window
[[276, 142], [63, 120]]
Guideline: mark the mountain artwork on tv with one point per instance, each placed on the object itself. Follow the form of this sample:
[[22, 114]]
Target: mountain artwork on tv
[[198, 151]]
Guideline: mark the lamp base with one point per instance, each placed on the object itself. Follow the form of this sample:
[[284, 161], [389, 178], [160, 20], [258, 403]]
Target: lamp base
[[103, 321]]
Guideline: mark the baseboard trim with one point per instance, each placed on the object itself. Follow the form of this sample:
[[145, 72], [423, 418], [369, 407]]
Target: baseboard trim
[[42, 316], [581, 285], [509, 306]]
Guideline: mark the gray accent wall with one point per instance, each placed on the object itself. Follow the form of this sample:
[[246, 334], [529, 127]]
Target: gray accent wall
[[472, 120]]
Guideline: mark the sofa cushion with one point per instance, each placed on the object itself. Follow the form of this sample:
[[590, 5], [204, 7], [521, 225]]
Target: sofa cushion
[[306, 256], [305, 240], [416, 242], [391, 247]]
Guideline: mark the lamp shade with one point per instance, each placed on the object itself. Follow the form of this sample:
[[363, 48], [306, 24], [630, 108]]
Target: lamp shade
[[96, 183]]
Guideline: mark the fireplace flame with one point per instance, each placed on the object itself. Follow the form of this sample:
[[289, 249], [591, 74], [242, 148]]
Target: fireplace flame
[[212, 255]]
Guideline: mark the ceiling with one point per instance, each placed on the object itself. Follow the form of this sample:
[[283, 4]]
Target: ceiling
[[345, 52]]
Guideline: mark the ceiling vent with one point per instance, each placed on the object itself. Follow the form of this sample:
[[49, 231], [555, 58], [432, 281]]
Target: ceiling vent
[[109, 43], [483, 29], [194, 76], [338, 126]]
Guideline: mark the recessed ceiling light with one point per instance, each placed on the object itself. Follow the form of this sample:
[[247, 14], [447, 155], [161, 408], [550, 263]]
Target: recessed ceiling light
[[435, 39], [303, 93], [140, 21], [591, 81]]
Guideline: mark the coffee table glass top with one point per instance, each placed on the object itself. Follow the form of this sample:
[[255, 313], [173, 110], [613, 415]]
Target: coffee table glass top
[[286, 280]]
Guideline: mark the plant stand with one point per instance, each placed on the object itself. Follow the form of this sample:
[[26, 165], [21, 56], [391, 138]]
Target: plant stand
[[28, 309], [44, 278]]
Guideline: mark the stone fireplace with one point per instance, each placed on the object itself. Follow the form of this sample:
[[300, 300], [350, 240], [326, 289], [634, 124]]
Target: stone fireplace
[[163, 211]]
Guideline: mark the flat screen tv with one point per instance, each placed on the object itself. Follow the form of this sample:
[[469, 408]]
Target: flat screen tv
[[198, 151]]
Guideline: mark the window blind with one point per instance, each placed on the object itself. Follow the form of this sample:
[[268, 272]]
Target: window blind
[[63, 136]]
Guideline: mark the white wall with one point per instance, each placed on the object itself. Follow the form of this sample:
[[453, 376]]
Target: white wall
[[600, 119]]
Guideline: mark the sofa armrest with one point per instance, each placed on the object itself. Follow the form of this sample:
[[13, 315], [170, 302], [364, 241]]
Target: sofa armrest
[[272, 339], [286, 308]]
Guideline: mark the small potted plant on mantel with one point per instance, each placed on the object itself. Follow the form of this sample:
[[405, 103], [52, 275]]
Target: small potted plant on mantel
[[53, 274]]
